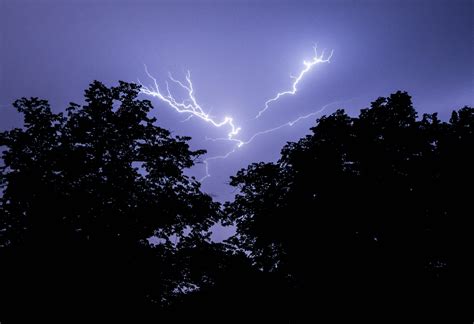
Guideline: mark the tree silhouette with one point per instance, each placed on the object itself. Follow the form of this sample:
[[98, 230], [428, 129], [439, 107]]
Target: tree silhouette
[[82, 194], [363, 211], [367, 215]]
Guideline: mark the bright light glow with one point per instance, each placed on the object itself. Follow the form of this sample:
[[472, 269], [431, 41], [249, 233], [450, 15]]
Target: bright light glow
[[191, 107], [294, 88], [188, 106], [240, 143]]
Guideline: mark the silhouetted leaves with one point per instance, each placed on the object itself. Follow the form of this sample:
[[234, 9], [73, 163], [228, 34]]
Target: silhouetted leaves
[[366, 214], [83, 192], [377, 203]]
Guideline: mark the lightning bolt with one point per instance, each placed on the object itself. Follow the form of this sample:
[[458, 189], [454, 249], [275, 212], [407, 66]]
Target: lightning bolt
[[191, 107], [241, 143], [287, 124], [218, 157], [317, 59], [187, 118]]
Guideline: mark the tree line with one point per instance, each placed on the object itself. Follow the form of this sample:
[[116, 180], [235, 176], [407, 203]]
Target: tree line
[[366, 215]]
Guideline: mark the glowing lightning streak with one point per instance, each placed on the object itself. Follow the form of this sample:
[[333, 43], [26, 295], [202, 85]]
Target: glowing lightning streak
[[308, 65], [187, 118], [241, 143], [290, 123], [190, 105], [206, 162]]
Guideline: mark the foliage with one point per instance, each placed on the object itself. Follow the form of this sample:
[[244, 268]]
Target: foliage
[[362, 210], [378, 202], [85, 190]]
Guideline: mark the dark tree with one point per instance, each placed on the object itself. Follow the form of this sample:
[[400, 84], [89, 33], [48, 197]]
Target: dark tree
[[367, 213], [82, 192]]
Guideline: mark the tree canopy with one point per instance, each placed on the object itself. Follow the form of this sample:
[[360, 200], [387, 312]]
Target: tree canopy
[[364, 209], [361, 211], [84, 190]]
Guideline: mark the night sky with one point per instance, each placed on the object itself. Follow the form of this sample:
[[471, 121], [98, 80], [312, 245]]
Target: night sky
[[240, 54]]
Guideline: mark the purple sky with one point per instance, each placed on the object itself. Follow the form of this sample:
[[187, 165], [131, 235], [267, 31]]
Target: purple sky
[[240, 54]]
